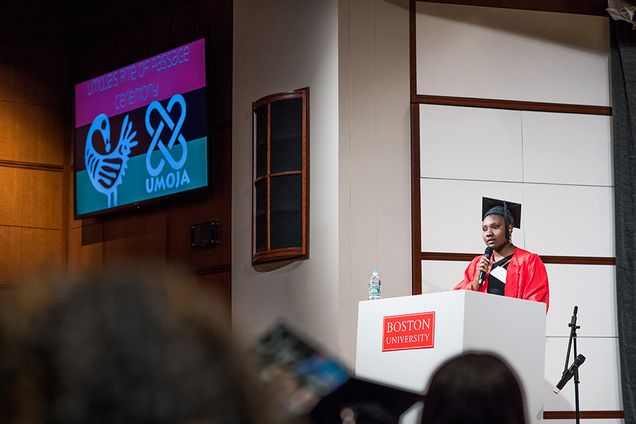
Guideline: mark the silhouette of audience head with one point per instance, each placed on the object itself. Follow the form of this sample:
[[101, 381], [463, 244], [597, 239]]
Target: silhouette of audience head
[[121, 346], [474, 388]]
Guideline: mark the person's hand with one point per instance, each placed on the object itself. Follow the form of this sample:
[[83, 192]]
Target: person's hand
[[483, 265]]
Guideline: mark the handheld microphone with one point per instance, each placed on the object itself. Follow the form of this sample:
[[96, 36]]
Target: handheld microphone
[[482, 274], [569, 373]]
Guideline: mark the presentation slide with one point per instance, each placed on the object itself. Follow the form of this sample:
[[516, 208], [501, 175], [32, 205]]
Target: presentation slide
[[141, 131]]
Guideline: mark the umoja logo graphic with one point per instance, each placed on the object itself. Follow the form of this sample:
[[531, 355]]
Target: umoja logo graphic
[[159, 181], [175, 135], [106, 170]]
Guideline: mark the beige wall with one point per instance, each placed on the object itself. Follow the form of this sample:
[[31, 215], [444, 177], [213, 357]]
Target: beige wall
[[374, 155], [282, 45], [354, 57]]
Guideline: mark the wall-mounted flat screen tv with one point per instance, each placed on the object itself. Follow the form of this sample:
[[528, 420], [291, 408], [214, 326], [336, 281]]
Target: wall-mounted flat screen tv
[[141, 131]]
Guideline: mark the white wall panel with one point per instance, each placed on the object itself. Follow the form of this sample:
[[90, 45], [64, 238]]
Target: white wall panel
[[564, 180], [599, 375], [451, 213], [440, 276], [567, 148], [590, 287], [578, 283], [470, 143], [471, 51], [569, 220]]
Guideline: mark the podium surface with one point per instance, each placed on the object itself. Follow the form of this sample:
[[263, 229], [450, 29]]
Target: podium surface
[[402, 340]]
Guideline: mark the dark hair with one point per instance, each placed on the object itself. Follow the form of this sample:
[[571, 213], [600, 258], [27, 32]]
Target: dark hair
[[475, 388], [121, 346]]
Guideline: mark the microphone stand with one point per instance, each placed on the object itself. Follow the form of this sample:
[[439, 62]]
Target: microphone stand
[[572, 342]]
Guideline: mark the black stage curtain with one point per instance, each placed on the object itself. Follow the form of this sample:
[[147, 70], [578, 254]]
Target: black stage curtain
[[623, 74]]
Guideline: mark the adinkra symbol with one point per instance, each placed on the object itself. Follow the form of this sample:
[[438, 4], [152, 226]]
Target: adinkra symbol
[[175, 135], [106, 169]]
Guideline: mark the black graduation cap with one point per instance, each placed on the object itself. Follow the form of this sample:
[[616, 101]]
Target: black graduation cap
[[368, 402], [510, 211]]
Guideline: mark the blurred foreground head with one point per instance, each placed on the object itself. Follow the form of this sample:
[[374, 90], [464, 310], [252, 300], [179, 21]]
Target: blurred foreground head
[[120, 346], [474, 388]]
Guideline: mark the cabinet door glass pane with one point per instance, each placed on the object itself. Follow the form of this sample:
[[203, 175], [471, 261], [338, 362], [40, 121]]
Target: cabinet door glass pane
[[261, 216], [286, 135], [286, 211], [260, 125]]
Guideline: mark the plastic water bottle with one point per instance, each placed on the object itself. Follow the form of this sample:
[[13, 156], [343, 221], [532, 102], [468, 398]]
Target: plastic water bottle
[[375, 286]]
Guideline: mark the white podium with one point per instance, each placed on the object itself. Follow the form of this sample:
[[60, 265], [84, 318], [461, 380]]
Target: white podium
[[401, 341]]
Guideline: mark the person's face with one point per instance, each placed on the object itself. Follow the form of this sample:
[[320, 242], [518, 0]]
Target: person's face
[[494, 231]]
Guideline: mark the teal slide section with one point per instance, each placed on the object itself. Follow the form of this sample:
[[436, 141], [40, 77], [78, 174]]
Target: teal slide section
[[137, 185]]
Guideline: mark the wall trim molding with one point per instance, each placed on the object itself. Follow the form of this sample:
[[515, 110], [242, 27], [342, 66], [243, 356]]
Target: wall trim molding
[[416, 213], [581, 7], [31, 165], [413, 49], [213, 269], [512, 104], [590, 415], [416, 203], [547, 259], [7, 286]]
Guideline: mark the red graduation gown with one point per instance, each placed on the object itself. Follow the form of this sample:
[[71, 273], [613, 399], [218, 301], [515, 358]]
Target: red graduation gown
[[526, 277]]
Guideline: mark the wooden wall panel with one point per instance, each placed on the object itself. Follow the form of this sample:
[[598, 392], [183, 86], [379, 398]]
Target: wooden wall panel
[[179, 248], [41, 249], [10, 212], [34, 75], [139, 236], [34, 123], [41, 198], [31, 198], [218, 284], [219, 287], [85, 247], [24, 251], [9, 253], [32, 133]]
